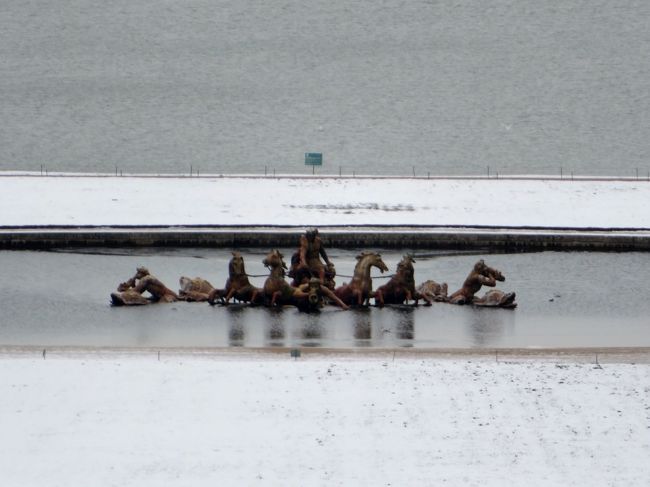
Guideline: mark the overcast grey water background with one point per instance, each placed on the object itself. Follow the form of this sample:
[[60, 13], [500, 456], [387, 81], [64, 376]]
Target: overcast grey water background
[[380, 87]]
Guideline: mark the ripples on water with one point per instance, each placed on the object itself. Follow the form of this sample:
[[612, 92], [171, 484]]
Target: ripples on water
[[378, 87], [565, 299]]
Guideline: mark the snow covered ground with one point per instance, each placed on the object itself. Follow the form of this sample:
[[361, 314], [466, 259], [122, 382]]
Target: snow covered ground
[[260, 419], [549, 203]]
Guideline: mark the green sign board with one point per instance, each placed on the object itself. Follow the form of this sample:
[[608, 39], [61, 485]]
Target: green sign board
[[313, 159]]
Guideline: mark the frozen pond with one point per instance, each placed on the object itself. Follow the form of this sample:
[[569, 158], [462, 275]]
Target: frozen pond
[[565, 300]]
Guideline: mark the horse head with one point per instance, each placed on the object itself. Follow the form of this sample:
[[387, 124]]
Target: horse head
[[405, 266], [236, 265], [274, 259], [370, 259]]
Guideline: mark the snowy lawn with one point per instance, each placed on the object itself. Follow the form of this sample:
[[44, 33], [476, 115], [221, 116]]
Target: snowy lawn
[[29, 201], [320, 420]]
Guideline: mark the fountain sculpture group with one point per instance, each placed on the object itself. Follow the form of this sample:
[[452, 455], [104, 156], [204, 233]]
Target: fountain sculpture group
[[313, 285]]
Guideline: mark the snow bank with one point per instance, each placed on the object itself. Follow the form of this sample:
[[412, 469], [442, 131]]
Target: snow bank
[[319, 420], [28, 201]]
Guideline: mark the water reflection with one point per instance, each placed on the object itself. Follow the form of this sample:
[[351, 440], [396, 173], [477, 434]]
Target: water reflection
[[312, 329], [276, 328], [362, 326], [236, 325], [489, 325], [406, 324]]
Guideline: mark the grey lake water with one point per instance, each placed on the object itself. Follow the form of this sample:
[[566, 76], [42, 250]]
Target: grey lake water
[[379, 87], [565, 300]]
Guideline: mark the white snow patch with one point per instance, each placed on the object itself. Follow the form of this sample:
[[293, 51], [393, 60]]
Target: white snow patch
[[35, 201], [183, 420]]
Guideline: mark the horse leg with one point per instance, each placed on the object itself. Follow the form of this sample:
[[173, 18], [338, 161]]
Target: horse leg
[[409, 297], [214, 295], [229, 296], [427, 300], [379, 299]]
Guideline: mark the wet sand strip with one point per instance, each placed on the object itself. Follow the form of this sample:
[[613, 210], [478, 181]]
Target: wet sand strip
[[597, 356]]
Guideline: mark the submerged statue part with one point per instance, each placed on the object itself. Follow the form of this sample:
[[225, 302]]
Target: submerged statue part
[[434, 291], [197, 289], [496, 298]]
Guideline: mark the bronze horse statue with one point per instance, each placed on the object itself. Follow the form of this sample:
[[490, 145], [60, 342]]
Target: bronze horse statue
[[276, 289], [237, 285], [483, 275], [401, 287], [359, 290], [308, 296]]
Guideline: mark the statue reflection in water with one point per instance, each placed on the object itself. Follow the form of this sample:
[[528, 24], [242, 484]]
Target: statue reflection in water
[[489, 326], [405, 324], [362, 326], [276, 331], [237, 328], [312, 329]]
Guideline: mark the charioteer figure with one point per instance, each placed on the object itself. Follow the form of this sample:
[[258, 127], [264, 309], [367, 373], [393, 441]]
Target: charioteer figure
[[308, 258]]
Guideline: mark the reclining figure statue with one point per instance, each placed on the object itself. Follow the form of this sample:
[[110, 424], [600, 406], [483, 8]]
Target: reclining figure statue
[[482, 275], [129, 293]]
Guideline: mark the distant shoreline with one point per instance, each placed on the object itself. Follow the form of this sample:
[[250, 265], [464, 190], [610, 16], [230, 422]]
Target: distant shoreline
[[270, 176]]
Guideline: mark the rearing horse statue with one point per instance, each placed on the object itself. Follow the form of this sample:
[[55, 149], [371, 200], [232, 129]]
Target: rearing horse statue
[[276, 289], [359, 290], [237, 285], [401, 287]]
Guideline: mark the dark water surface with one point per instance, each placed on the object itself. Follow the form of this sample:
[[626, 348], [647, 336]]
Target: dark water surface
[[565, 300], [391, 87]]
